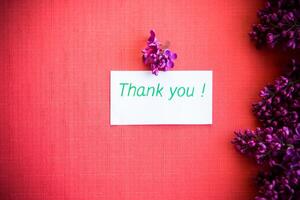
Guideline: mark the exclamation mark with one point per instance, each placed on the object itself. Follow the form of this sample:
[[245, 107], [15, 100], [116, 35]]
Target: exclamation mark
[[203, 90]]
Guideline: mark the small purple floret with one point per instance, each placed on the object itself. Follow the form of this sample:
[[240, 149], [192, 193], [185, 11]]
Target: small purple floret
[[157, 58]]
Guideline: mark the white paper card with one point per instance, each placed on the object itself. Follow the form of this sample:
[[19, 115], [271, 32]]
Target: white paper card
[[173, 97]]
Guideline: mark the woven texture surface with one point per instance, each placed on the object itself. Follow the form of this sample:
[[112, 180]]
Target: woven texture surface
[[55, 138]]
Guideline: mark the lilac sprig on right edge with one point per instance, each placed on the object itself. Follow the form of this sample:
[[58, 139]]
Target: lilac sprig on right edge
[[279, 25], [157, 58], [280, 103], [276, 145]]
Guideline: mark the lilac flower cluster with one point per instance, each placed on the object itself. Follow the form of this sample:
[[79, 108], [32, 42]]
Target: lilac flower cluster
[[276, 145], [279, 24], [157, 58]]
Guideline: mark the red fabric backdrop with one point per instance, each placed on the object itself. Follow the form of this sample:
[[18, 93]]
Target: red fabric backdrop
[[56, 141]]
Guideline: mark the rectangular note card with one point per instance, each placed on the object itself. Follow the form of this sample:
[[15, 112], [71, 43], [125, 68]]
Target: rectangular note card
[[173, 97]]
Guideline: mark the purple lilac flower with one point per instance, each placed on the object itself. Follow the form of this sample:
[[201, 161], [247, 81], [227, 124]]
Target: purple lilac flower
[[280, 103], [157, 58], [279, 24], [276, 145]]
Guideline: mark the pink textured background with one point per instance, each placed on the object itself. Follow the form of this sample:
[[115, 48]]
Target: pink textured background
[[56, 141]]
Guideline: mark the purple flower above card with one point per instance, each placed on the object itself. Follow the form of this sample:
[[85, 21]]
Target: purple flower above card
[[156, 57]]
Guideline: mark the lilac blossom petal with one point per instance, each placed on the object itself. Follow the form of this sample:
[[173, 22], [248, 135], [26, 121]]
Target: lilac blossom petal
[[152, 37]]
